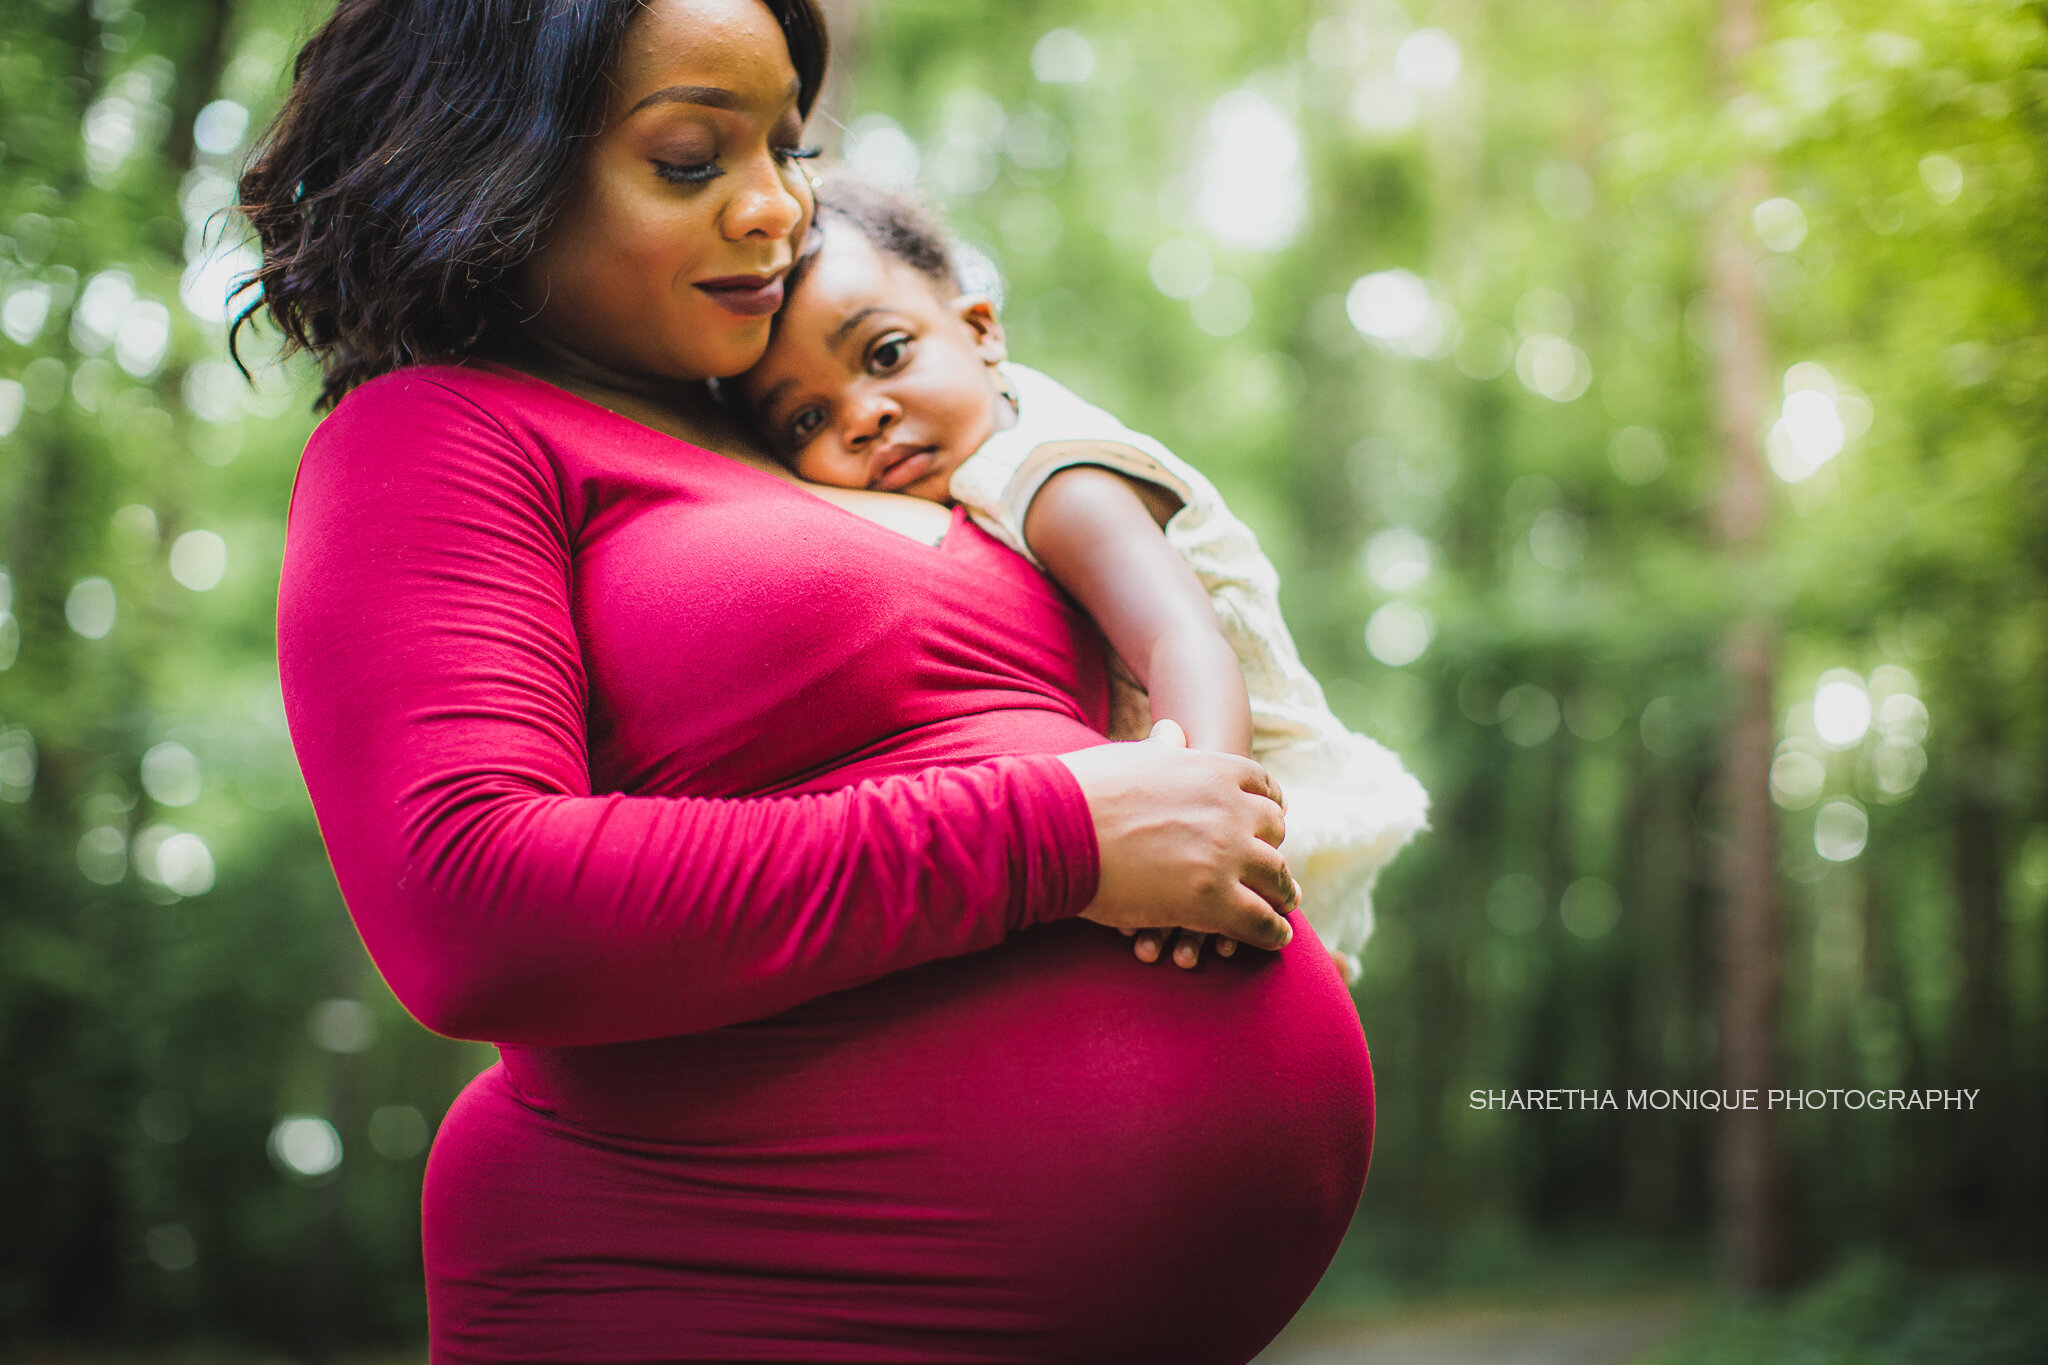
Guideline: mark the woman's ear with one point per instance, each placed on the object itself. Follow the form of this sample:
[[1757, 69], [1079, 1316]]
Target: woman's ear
[[978, 311]]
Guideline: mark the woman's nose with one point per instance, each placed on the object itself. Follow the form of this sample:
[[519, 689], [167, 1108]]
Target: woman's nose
[[763, 204]]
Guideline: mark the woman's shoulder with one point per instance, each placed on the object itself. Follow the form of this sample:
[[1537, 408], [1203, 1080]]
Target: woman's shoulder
[[428, 432], [454, 411], [457, 393]]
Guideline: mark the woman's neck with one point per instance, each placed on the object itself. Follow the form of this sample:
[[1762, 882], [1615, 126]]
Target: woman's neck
[[685, 409]]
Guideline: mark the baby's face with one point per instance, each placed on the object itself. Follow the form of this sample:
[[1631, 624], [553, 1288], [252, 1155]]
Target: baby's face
[[875, 378]]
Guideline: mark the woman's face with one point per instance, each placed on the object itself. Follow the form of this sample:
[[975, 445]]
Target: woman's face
[[665, 260]]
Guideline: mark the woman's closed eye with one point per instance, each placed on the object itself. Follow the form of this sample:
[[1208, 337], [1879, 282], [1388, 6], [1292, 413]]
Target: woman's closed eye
[[703, 172], [889, 352]]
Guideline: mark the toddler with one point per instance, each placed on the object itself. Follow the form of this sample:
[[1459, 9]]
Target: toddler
[[883, 374]]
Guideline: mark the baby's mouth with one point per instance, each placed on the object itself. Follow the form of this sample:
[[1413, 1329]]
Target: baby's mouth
[[900, 466]]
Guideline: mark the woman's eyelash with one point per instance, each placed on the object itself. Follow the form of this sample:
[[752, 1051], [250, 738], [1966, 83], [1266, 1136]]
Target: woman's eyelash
[[689, 175], [708, 171]]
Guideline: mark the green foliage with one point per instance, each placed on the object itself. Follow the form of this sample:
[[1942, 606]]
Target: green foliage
[[169, 919], [1870, 1312], [1546, 589]]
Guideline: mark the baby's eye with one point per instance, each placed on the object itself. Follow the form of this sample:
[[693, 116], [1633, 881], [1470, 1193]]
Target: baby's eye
[[805, 425], [890, 352]]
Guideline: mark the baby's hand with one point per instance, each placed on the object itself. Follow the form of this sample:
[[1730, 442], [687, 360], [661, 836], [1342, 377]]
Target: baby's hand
[[1187, 948]]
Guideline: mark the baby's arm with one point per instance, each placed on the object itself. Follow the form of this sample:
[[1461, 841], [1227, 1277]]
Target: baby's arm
[[1098, 534]]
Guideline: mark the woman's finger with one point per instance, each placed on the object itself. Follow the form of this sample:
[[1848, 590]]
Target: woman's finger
[[1253, 777], [1272, 815], [1226, 946], [1169, 733], [1188, 951], [1266, 873], [1272, 823], [1147, 943], [1255, 922], [1291, 886]]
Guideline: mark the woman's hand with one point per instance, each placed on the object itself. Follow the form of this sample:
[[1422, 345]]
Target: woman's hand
[[1189, 840]]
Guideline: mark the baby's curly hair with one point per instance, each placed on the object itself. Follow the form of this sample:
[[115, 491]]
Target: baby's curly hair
[[894, 223]]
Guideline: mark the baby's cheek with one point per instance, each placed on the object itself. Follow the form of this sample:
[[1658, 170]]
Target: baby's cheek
[[829, 467]]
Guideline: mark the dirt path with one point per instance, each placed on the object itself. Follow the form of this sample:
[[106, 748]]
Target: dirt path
[[1596, 1333]]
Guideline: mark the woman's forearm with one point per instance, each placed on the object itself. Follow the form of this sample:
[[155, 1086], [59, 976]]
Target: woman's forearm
[[523, 916]]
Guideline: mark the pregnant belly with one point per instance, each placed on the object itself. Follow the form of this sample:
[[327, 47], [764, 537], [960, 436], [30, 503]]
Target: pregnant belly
[[1044, 1152]]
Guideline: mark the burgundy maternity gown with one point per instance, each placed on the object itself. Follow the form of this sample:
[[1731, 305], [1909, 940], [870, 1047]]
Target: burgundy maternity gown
[[731, 817]]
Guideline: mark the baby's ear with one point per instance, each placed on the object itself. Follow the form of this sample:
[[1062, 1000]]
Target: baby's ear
[[978, 311]]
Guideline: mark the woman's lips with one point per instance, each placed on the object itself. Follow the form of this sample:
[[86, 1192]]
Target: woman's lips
[[748, 296], [901, 468]]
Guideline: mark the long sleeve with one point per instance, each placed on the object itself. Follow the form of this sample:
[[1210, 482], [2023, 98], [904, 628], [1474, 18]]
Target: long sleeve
[[437, 694]]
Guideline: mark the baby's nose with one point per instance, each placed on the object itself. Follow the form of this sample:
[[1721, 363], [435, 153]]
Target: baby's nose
[[877, 419]]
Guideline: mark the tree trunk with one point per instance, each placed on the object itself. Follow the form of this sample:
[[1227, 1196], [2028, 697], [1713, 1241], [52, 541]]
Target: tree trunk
[[1751, 1185], [835, 101], [1981, 1038], [1752, 1213], [199, 78]]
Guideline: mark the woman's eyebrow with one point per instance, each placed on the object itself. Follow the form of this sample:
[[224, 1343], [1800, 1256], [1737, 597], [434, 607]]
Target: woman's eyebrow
[[710, 96]]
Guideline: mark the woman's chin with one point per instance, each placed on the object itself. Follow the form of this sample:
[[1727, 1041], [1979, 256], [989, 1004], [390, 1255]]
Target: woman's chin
[[736, 352]]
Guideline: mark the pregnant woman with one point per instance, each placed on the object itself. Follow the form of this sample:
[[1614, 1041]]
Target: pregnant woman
[[772, 838]]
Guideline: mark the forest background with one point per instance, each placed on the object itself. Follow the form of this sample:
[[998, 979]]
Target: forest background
[[1644, 403]]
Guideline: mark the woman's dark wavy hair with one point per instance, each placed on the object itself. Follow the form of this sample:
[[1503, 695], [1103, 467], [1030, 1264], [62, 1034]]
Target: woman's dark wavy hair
[[418, 158]]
